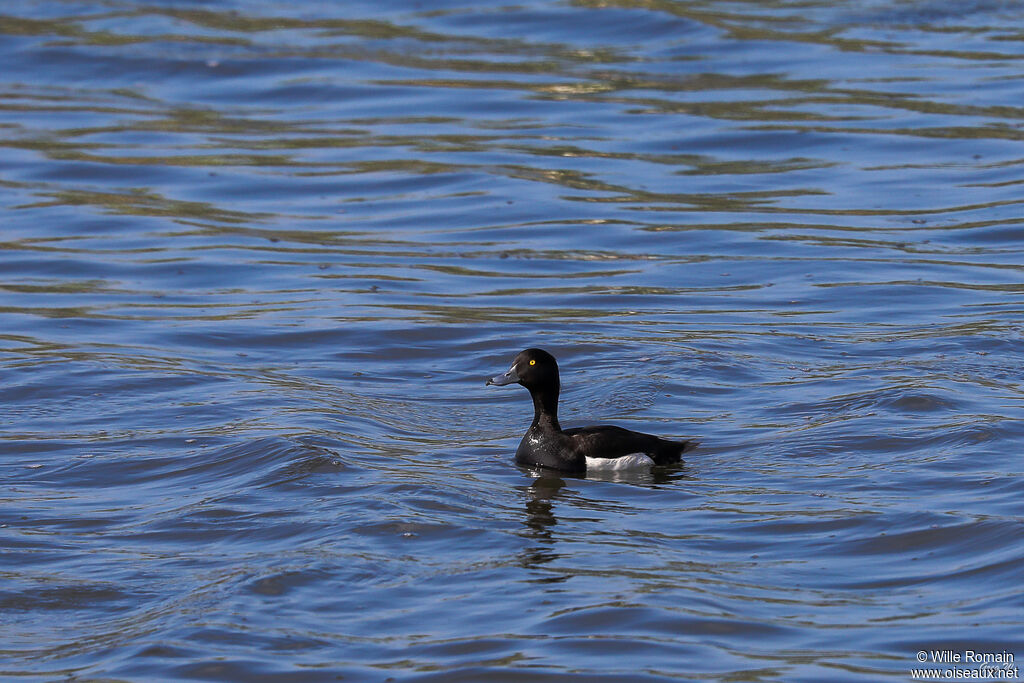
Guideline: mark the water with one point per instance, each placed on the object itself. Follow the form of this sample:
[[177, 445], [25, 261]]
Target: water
[[258, 257]]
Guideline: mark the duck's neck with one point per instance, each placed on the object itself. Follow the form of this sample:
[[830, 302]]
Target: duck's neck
[[545, 408]]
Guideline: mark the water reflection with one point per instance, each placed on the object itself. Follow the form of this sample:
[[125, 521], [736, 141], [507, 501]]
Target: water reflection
[[539, 518], [546, 493]]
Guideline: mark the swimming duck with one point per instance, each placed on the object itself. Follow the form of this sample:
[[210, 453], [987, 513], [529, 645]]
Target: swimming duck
[[576, 450]]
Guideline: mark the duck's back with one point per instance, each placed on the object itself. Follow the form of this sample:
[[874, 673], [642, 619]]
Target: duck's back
[[609, 441]]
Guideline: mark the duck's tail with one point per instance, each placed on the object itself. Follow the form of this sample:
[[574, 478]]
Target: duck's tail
[[668, 452]]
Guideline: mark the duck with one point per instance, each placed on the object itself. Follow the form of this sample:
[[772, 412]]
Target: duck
[[600, 447]]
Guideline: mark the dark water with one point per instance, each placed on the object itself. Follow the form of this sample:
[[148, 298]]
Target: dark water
[[258, 257]]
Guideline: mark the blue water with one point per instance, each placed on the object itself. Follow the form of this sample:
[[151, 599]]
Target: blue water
[[257, 259]]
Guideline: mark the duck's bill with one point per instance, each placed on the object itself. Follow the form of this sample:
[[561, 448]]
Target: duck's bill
[[510, 377]]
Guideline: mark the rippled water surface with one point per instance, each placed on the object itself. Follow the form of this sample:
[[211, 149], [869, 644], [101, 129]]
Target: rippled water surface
[[257, 258]]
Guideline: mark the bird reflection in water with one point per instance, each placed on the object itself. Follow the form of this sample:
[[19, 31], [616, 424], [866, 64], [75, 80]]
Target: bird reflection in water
[[540, 515], [538, 520]]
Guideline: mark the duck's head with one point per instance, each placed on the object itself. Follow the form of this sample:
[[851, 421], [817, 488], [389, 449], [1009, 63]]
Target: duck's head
[[535, 369]]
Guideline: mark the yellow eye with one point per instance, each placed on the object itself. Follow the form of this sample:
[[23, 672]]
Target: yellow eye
[[533, 362]]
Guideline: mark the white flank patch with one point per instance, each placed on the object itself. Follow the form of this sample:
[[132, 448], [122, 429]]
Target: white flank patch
[[632, 461]]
